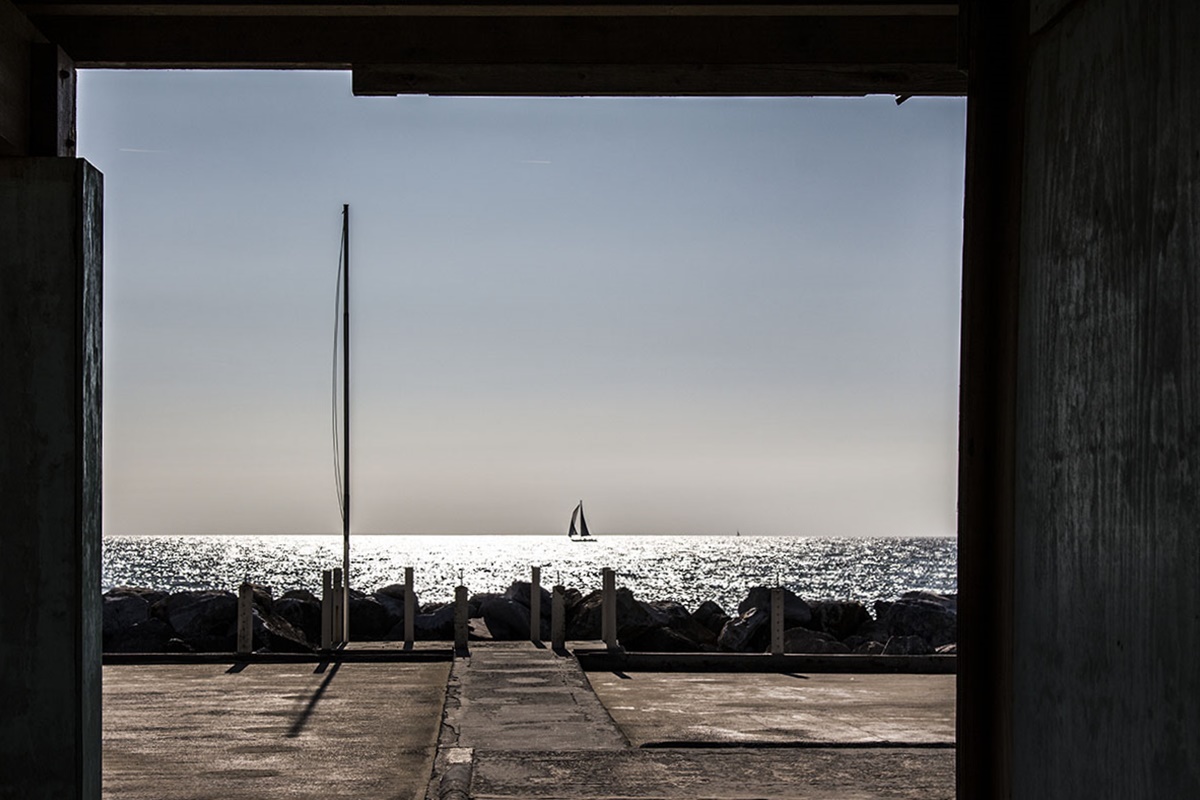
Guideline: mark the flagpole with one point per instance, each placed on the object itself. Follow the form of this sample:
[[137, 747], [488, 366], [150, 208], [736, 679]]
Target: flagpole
[[346, 424]]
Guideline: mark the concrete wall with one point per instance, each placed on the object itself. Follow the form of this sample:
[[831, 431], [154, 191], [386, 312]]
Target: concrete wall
[[50, 348], [1106, 649]]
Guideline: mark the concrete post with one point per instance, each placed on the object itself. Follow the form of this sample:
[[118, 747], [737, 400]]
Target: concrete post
[[327, 610], [50, 352], [245, 624], [535, 605], [608, 608], [339, 610], [410, 608], [558, 619], [777, 622], [460, 620]]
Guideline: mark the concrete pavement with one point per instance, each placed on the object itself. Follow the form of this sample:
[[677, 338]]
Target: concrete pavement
[[658, 708], [517, 721], [527, 724], [268, 731]]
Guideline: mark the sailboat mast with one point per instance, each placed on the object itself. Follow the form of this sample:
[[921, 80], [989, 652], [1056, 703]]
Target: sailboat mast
[[346, 424]]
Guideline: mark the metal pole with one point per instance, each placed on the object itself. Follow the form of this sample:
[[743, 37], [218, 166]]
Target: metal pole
[[346, 423]]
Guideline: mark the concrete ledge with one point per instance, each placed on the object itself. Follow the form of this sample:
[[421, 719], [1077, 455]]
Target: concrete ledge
[[600, 660], [360, 656]]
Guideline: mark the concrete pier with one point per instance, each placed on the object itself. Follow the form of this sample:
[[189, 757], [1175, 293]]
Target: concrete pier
[[513, 720]]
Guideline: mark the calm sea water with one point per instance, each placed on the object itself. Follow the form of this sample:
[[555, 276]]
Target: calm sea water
[[689, 569]]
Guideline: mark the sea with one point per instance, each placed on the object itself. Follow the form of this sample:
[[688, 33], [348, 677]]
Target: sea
[[688, 569]]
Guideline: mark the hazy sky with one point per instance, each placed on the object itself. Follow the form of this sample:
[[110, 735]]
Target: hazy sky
[[695, 315]]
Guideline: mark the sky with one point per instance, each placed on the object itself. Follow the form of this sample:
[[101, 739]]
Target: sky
[[696, 315]]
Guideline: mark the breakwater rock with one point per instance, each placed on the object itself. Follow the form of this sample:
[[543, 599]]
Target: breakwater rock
[[916, 623]]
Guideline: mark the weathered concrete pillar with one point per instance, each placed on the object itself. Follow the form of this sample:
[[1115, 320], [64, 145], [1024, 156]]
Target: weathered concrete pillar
[[245, 625], [339, 607], [535, 605], [460, 620], [327, 610], [608, 608], [50, 351], [777, 622], [410, 608], [558, 619]]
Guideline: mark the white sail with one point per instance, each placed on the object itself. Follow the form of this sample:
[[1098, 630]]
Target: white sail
[[572, 532]]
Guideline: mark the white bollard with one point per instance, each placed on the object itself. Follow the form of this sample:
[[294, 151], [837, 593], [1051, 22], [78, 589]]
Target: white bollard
[[777, 622], [245, 626], [339, 610], [327, 610], [608, 608], [535, 606], [460, 620], [558, 619], [410, 607]]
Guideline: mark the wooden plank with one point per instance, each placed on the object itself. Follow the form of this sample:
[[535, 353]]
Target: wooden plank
[[1108, 601], [1041, 12]]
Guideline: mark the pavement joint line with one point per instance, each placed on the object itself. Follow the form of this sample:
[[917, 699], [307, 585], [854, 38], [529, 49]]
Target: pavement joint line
[[451, 763]]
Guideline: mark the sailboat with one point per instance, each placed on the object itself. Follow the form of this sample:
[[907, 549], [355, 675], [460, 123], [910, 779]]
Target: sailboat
[[579, 534]]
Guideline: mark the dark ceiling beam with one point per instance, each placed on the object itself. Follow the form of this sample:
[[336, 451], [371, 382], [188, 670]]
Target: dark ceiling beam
[[655, 80], [379, 8], [17, 39], [498, 47]]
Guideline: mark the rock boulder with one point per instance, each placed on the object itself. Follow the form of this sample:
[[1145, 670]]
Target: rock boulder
[[746, 633], [711, 616], [796, 612], [839, 618], [506, 619], [804, 640], [369, 620], [932, 620]]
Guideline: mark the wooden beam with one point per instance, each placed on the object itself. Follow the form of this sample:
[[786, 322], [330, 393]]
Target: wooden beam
[[17, 37], [52, 102], [506, 8], [683, 80], [997, 62], [791, 54]]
